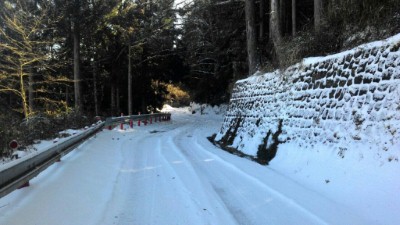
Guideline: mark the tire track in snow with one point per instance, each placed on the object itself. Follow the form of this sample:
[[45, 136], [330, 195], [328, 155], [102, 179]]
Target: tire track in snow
[[236, 212], [200, 210], [200, 192], [239, 216], [132, 183], [289, 202], [166, 200], [240, 192], [308, 202]]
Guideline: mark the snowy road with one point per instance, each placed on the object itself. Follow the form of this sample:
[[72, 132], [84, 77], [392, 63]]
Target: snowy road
[[166, 173]]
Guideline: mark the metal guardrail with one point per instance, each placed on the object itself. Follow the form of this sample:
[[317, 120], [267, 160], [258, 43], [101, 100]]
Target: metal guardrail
[[19, 172], [144, 117]]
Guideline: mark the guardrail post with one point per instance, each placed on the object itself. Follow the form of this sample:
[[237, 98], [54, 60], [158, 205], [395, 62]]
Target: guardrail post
[[138, 123], [109, 123], [27, 184], [122, 123], [131, 123]]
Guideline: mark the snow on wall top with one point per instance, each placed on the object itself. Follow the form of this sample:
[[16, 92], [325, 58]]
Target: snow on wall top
[[345, 101], [376, 44]]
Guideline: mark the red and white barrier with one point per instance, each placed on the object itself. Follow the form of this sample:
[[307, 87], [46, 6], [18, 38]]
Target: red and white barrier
[[111, 123]]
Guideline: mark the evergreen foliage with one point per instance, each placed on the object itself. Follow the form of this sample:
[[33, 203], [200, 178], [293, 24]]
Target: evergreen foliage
[[202, 45], [94, 56], [214, 38]]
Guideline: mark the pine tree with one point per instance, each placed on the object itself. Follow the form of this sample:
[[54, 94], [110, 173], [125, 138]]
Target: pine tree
[[251, 36]]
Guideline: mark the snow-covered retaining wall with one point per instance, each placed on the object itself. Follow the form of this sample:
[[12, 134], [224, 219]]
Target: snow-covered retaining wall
[[347, 102]]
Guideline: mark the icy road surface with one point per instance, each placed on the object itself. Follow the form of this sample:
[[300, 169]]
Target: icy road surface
[[166, 173]]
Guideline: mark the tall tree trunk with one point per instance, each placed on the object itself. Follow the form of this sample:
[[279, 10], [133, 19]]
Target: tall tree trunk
[[144, 106], [294, 17], [317, 15], [112, 99], [67, 95], [251, 36], [129, 82], [118, 100], [274, 27], [77, 75], [30, 91], [262, 19], [25, 104], [96, 102], [281, 14]]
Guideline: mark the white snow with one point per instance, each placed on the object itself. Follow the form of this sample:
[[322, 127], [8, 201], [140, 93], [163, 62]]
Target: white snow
[[40, 146], [37, 148], [341, 127], [371, 45], [169, 173]]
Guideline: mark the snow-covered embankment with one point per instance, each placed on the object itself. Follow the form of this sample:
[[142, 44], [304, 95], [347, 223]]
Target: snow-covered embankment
[[340, 125]]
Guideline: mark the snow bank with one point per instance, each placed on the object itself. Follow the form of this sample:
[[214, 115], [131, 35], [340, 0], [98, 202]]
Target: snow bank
[[207, 109], [198, 109], [346, 105], [40, 146]]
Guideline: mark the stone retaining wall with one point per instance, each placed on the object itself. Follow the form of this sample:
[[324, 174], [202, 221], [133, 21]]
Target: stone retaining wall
[[347, 98]]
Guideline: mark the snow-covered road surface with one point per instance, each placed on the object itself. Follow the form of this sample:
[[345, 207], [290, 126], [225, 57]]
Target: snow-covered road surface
[[167, 173]]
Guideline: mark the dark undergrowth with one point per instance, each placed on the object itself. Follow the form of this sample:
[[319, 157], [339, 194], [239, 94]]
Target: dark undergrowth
[[40, 127]]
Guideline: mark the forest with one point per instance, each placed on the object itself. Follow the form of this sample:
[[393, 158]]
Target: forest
[[63, 62]]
